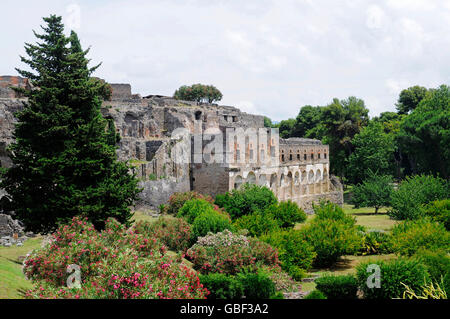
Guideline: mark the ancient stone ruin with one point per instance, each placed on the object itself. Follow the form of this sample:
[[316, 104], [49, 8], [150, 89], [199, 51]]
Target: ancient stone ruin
[[158, 131]]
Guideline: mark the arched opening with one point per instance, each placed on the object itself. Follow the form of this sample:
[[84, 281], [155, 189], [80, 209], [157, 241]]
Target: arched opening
[[198, 115], [237, 182], [289, 185], [318, 176], [311, 177], [262, 181], [251, 178]]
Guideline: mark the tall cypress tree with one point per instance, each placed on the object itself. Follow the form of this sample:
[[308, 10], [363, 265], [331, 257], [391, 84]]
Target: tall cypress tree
[[64, 162]]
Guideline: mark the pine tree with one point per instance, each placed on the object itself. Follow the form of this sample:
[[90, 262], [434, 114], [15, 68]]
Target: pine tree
[[64, 163]]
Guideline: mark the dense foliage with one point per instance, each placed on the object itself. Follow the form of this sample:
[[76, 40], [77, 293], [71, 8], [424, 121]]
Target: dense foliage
[[375, 191], [114, 263], [338, 287], [393, 274], [199, 93], [414, 192], [245, 200]]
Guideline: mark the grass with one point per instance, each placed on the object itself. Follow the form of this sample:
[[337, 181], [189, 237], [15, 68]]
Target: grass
[[366, 217], [143, 216], [13, 282]]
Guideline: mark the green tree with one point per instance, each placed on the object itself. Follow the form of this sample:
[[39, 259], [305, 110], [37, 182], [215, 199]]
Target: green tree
[[267, 122], [199, 93], [308, 123], [425, 134], [343, 119], [63, 163], [285, 128], [374, 150], [374, 192], [410, 98]]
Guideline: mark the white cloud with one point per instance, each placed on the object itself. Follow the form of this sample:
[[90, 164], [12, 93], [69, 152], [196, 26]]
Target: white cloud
[[375, 17]]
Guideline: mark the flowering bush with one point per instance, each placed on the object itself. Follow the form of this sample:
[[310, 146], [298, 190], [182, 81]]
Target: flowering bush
[[114, 263], [209, 255], [175, 233]]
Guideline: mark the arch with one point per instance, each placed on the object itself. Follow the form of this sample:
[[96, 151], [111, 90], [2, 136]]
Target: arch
[[273, 180], [303, 179], [318, 175], [297, 178], [325, 174], [238, 181], [311, 177], [262, 181], [289, 185], [198, 115], [251, 178]]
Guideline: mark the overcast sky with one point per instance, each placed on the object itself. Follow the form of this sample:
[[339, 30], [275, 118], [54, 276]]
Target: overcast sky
[[267, 57]]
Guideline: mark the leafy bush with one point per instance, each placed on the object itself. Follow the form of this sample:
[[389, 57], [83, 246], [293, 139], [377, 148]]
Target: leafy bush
[[228, 253], [332, 234], [439, 211], [287, 213], [115, 263], [293, 251], [411, 236], [246, 200], [257, 223], [283, 282], [437, 263], [257, 285], [376, 242], [222, 286], [177, 200], [193, 208], [414, 192], [210, 221], [315, 294], [393, 274], [373, 192], [338, 287], [175, 233]]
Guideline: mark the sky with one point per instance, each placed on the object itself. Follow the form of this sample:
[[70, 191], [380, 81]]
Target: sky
[[267, 57]]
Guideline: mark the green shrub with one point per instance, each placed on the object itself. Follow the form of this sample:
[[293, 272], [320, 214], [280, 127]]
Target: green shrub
[[210, 221], [177, 200], [222, 286], [287, 213], [332, 234], [392, 274], [437, 263], [193, 208], [414, 192], [295, 253], [411, 236], [315, 294], [257, 223], [338, 287], [246, 200], [257, 285], [376, 242], [331, 211], [439, 211]]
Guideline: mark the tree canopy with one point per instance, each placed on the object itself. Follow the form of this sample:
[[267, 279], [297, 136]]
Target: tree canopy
[[199, 93]]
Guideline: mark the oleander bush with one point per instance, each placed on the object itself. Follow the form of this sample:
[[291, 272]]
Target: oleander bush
[[295, 253], [229, 253], [287, 213], [173, 232], [410, 236], [246, 200], [257, 223], [414, 192], [114, 263], [193, 208], [338, 287], [393, 274], [439, 211]]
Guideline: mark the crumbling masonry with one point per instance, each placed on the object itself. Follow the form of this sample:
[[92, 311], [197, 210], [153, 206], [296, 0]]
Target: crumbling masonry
[[294, 169]]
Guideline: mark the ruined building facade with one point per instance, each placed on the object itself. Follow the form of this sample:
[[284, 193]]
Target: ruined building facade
[[177, 146]]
